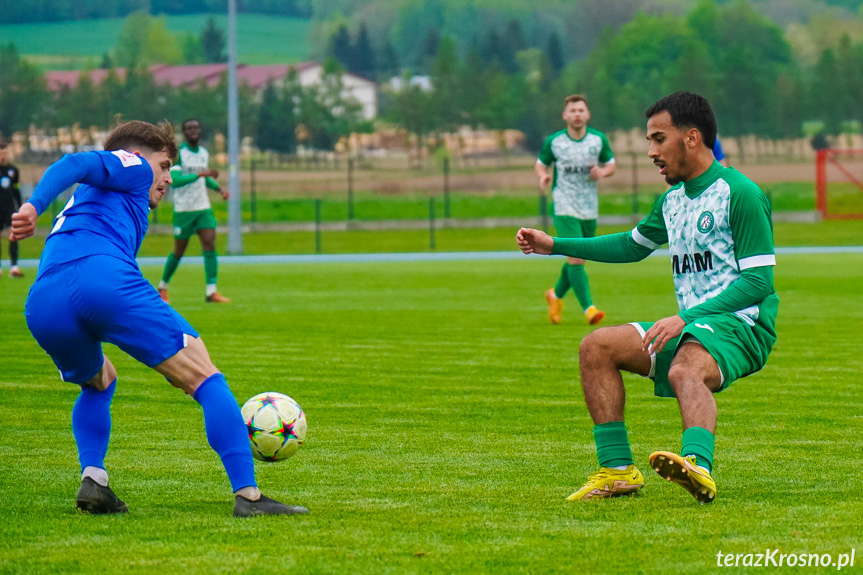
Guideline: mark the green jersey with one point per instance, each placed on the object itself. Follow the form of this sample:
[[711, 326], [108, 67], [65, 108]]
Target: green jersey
[[190, 191], [573, 192], [716, 226]]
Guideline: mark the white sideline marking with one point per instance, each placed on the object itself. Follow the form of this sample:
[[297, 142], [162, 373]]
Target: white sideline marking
[[425, 257]]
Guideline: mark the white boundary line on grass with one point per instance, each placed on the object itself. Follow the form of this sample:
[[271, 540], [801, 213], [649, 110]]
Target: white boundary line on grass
[[424, 257]]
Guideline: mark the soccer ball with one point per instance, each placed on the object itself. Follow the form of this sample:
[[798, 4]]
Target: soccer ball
[[276, 424]]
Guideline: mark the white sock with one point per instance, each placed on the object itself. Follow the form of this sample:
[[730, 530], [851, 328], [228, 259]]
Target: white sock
[[97, 474], [211, 289], [252, 493], [701, 467], [163, 285], [14, 269], [620, 467]]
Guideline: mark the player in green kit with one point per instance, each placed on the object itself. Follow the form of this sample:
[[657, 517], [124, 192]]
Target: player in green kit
[[581, 156], [192, 210], [718, 228]]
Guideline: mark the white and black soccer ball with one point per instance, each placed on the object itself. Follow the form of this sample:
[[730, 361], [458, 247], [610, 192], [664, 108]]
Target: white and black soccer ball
[[276, 425]]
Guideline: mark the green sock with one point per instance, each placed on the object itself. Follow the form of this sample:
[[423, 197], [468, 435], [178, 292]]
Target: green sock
[[170, 267], [698, 441], [612, 444], [578, 279], [562, 285], [211, 267]]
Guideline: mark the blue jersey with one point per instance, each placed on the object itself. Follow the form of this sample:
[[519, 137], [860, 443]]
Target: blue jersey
[[108, 213], [717, 151]]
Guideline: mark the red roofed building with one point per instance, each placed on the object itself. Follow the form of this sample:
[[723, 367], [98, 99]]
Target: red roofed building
[[256, 77]]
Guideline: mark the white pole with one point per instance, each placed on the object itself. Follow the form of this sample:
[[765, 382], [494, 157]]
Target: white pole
[[235, 215]]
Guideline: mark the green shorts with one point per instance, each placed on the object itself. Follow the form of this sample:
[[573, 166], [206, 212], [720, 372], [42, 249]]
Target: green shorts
[[738, 348], [187, 223], [570, 227]]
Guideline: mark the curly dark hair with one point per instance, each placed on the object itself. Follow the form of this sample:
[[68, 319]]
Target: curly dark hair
[[137, 134], [688, 110]]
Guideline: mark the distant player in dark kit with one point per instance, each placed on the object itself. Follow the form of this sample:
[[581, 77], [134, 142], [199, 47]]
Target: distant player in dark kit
[[89, 290], [719, 232], [10, 201], [193, 214]]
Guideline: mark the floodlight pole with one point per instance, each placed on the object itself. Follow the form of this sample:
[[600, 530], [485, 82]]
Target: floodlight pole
[[235, 215]]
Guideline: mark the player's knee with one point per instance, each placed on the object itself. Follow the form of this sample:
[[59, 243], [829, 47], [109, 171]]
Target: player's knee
[[681, 377], [595, 346], [575, 261]]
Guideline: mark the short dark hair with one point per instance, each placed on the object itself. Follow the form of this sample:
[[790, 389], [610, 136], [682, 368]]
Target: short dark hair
[[575, 98], [2, 146], [183, 126], [688, 110], [137, 134]]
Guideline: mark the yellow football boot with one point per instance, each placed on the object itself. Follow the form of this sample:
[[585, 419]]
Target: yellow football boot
[[555, 306], [608, 482], [593, 315], [684, 472]]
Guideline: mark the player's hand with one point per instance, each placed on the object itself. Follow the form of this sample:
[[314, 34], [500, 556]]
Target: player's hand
[[23, 222], [226, 194], [532, 241], [661, 333], [543, 183], [596, 172]]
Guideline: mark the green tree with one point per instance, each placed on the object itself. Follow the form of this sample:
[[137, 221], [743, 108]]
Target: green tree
[[388, 66], [341, 48], [213, 42], [325, 111], [193, 50], [364, 61], [446, 90], [145, 40], [412, 109], [556, 55], [22, 92], [276, 125], [428, 50]]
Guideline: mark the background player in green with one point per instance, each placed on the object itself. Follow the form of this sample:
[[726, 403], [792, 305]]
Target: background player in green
[[10, 201], [581, 156], [192, 210], [718, 228]]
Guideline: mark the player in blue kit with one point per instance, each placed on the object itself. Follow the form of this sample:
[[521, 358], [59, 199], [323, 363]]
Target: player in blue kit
[[89, 290]]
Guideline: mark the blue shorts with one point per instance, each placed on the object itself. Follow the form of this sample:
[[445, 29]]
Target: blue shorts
[[76, 306]]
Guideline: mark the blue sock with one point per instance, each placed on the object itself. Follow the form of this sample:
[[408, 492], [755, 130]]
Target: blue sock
[[226, 430], [91, 424]]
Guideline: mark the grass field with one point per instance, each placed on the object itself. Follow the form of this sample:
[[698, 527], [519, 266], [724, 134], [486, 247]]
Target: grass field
[[446, 428], [71, 45], [828, 233]]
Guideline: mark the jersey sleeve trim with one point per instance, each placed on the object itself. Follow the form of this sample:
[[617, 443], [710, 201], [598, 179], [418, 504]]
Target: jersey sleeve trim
[[541, 163], [757, 261], [610, 161], [640, 239]]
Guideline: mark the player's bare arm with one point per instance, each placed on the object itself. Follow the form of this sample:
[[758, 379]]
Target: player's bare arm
[[544, 175], [23, 222], [532, 241], [604, 171]]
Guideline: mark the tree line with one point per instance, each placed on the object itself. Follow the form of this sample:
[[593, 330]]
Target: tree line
[[25, 11], [756, 75]]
